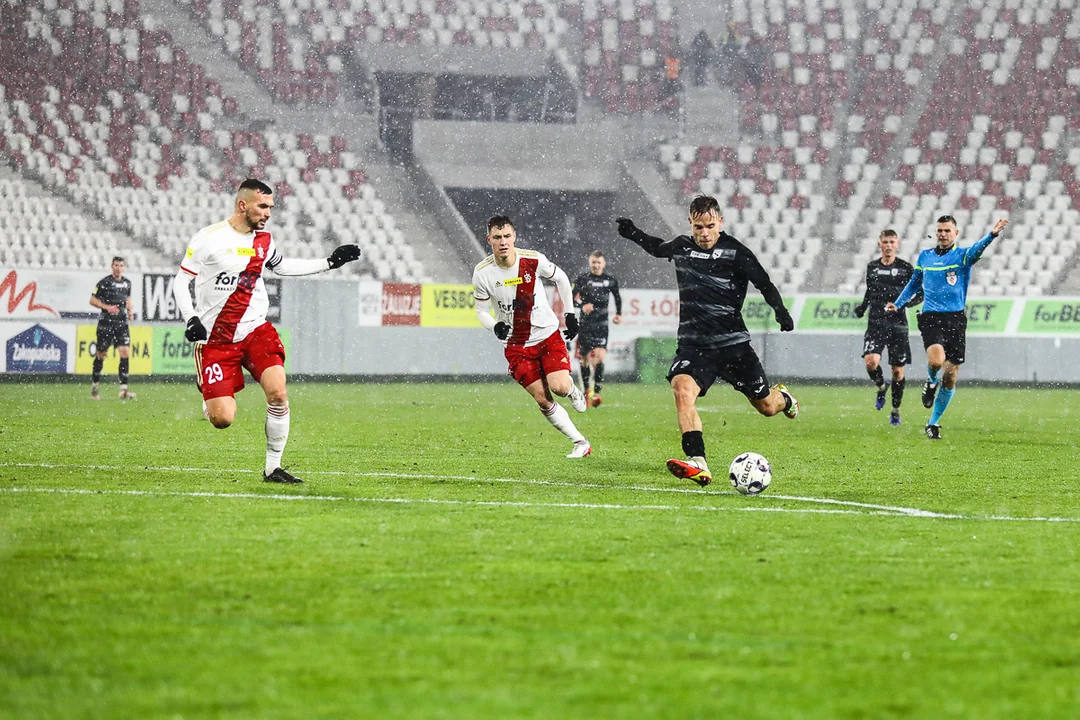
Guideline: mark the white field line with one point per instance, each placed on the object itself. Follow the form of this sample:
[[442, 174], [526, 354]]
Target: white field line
[[472, 478], [426, 501], [873, 508]]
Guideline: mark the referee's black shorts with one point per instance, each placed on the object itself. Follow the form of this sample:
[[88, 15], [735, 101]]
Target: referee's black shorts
[[948, 329]]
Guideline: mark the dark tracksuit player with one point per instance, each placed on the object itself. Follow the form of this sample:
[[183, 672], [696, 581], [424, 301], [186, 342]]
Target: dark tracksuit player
[[112, 295], [885, 278], [592, 294], [712, 270]]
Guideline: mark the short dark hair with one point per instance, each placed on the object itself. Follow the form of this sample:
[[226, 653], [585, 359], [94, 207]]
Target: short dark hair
[[888, 232], [703, 205], [947, 218], [257, 185], [498, 221], [597, 254], [117, 258]]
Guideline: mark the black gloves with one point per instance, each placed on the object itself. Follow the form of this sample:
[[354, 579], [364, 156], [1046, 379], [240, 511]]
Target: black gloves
[[343, 254], [860, 310], [627, 228], [787, 324], [195, 331], [501, 330], [571, 330]]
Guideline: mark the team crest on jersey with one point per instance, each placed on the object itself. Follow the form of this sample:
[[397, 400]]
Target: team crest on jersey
[[261, 256], [950, 277], [528, 277]]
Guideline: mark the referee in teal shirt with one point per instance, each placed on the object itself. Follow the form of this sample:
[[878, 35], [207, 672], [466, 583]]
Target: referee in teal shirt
[[943, 274]]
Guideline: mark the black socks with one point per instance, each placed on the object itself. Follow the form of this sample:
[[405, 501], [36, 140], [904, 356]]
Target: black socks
[[98, 363], [599, 377], [123, 374], [586, 371], [877, 376], [693, 444], [897, 393]]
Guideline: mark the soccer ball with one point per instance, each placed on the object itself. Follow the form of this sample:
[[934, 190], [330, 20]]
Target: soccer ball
[[750, 473]]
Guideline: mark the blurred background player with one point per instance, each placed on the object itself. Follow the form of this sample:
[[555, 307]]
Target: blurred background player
[[591, 297], [112, 295], [226, 261], [885, 278], [712, 270], [528, 327], [943, 273]]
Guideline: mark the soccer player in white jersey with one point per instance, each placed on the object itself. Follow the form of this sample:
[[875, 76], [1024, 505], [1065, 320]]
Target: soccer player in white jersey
[[528, 327], [228, 319]]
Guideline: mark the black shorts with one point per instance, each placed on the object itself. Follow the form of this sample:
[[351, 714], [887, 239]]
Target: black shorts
[[590, 339], [112, 334], [894, 338], [737, 365], [948, 329]]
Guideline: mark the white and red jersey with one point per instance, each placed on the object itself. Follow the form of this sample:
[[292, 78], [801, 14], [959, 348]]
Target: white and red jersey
[[518, 296], [230, 296]]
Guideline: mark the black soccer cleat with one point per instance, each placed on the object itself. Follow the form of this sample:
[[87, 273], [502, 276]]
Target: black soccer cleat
[[881, 393], [933, 432], [928, 393], [280, 476]]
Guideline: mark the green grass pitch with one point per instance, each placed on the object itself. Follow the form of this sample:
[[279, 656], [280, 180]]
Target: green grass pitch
[[444, 560]]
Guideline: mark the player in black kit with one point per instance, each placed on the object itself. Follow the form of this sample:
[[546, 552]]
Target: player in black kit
[[112, 295], [885, 278], [591, 296], [712, 270]]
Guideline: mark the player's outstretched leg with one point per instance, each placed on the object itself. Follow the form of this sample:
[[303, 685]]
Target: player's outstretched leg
[[694, 467], [686, 391], [277, 425]]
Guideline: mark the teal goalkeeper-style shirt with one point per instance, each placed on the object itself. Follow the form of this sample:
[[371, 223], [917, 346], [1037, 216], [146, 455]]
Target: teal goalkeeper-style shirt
[[943, 278]]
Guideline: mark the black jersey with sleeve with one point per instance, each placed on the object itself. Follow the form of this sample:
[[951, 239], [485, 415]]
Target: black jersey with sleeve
[[883, 285], [712, 288], [111, 291], [596, 290]]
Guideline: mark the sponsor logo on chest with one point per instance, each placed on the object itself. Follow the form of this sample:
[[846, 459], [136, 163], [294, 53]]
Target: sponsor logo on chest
[[716, 254]]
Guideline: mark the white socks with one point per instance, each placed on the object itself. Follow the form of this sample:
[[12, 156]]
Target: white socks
[[558, 417], [277, 434]]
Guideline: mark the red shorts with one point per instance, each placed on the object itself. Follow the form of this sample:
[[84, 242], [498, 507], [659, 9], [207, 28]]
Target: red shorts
[[220, 367], [529, 364]]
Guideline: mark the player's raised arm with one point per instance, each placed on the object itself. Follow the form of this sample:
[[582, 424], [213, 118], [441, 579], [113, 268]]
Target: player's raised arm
[[911, 290], [657, 247], [296, 267], [973, 253], [756, 274]]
